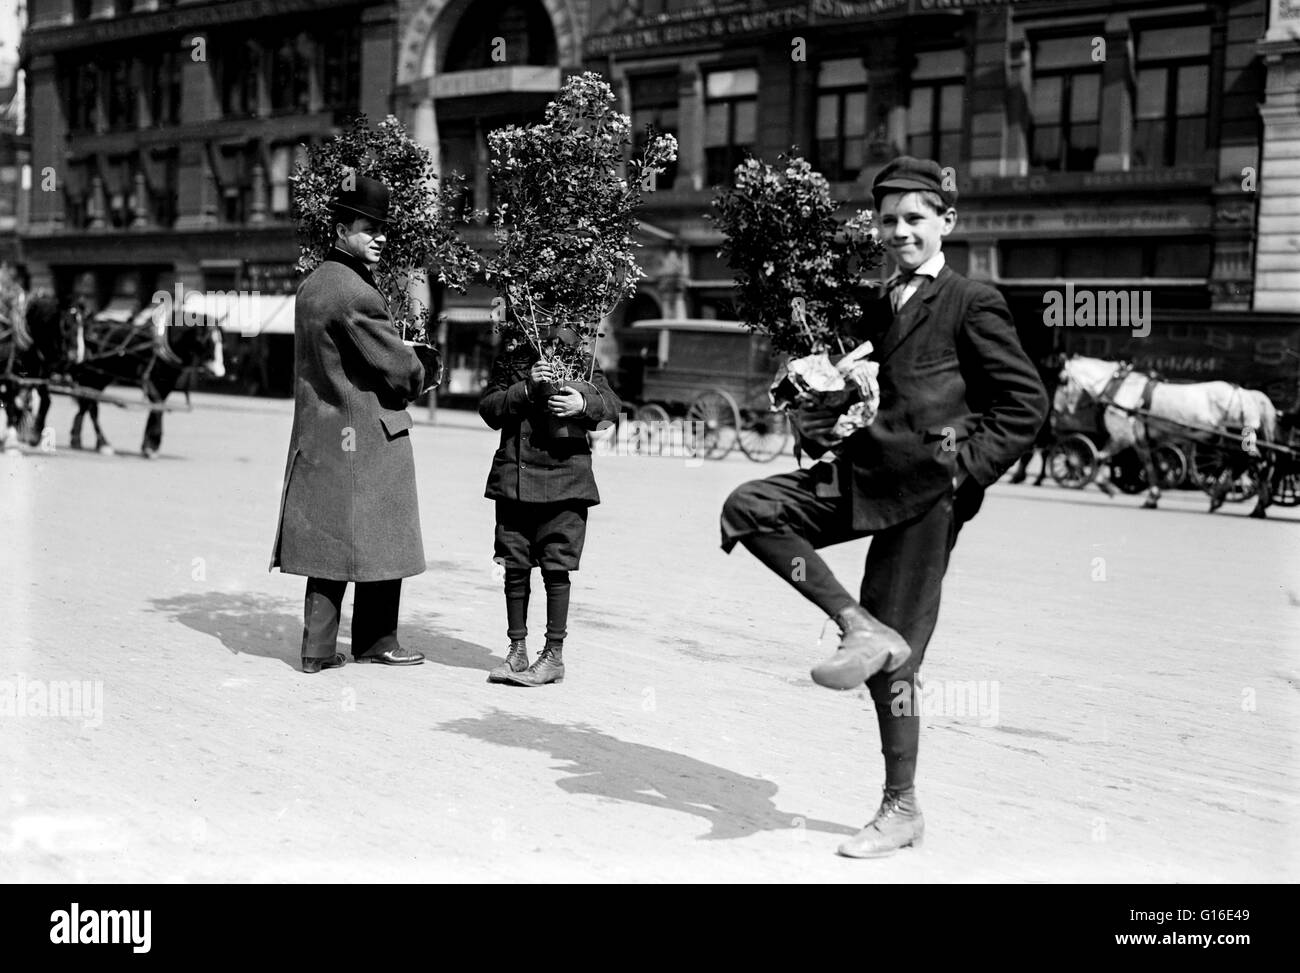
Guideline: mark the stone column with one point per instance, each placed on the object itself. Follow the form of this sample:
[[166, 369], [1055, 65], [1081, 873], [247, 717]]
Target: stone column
[[690, 113], [196, 204], [1116, 146], [1277, 269], [886, 105], [378, 66], [48, 141]]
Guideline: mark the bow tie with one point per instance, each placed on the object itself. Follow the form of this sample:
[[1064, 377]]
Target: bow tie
[[902, 278]]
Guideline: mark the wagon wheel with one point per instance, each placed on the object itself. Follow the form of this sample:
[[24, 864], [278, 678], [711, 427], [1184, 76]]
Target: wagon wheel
[[1212, 464], [1285, 491], [1127, 471], [1171, 465], [764, 433], [716, 419], [642, 443], [1072, 461]]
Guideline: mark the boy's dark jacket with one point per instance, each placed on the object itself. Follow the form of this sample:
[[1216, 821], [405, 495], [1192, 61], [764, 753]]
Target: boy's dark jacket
[[955, 388], [530, 465]]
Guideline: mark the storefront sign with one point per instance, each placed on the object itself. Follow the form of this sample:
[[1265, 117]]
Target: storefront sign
[[271, 278], [717, 21]]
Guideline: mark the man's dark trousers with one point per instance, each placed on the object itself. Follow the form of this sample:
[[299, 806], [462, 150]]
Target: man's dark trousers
[[374, 617], [901, 585]]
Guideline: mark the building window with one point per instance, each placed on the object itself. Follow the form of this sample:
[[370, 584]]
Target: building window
[[730, 121], [239, 77], [121, 101], [1065, 105], [290, 74], [935, 113], [654, 111], [341, 69], [1173, 96], [164, 78], [83, 98], [82, 9], [164, 197], [281, 168], [499, 33], [841, 118], [1106, 260]]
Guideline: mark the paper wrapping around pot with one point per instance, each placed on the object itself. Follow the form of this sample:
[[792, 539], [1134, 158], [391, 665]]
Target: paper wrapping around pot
[[848, 385]]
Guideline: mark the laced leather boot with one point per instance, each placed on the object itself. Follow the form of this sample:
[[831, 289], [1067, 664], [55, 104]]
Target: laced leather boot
[[548, 668], [867, 645], [516, 661], [898, 824]]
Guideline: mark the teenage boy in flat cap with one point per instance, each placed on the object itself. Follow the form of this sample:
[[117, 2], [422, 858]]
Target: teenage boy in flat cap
[[959, 403], [348, 511]]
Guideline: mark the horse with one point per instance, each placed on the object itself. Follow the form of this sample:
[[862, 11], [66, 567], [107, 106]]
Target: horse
[[145, 356], [1136, 404]]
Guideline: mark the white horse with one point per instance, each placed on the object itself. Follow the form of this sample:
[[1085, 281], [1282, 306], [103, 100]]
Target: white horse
[[1201, 411]]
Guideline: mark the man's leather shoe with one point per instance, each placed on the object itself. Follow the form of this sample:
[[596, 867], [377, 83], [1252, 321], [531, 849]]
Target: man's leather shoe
[[867, 645], [316, 665], [393, 657], [549, 667], [898, 824], [516, 661]]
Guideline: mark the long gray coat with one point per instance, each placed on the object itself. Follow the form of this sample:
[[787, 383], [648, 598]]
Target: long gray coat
[[348, 511]]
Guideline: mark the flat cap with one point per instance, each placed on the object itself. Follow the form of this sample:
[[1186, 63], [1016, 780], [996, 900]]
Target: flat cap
[[909, 174]]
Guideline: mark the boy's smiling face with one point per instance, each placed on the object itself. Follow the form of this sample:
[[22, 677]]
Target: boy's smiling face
[[911, 229]]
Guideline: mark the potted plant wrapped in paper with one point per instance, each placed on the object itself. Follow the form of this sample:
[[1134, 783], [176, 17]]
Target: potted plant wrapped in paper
[[423, 223], [797, 269], [566, 212]]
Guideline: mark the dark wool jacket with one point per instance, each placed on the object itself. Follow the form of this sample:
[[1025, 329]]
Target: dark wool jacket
[[531, 465], [955, 388], [348, 510]]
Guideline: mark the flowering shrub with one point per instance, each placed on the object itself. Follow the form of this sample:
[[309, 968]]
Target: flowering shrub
[[564, 220], [422, 213], [784, 242]]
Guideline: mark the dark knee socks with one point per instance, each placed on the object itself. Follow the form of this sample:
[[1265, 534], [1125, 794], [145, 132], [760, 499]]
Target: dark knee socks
[[518, 588], [557, 604], [795, 560], [900, 728]]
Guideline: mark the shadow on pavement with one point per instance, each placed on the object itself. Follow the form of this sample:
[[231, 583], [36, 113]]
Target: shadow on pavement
[[418, 634], [253, 624], [596, 763], [246, 623]]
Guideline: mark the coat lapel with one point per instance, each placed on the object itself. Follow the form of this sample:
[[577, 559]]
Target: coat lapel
[[914, 313]]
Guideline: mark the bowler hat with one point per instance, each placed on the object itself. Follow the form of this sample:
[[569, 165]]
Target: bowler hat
[[909, 174], [367, 197]]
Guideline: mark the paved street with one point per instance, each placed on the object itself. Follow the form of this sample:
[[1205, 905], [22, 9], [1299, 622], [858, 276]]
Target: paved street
[[1111, 693]]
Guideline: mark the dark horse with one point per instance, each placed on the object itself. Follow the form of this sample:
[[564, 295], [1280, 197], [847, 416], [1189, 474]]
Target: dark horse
[[25, 364], [135, 355], [1049, 370]]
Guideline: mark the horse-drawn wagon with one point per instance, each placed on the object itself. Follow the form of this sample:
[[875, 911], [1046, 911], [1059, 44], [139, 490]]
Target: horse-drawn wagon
[[1153, 434], [715, 375]]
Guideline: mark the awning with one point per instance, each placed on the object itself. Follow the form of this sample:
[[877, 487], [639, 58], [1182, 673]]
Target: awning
[[249, 315], [467, 315], [119, 310]]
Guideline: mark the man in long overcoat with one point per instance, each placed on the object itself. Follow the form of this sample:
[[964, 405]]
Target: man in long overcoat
[[349, 511]]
